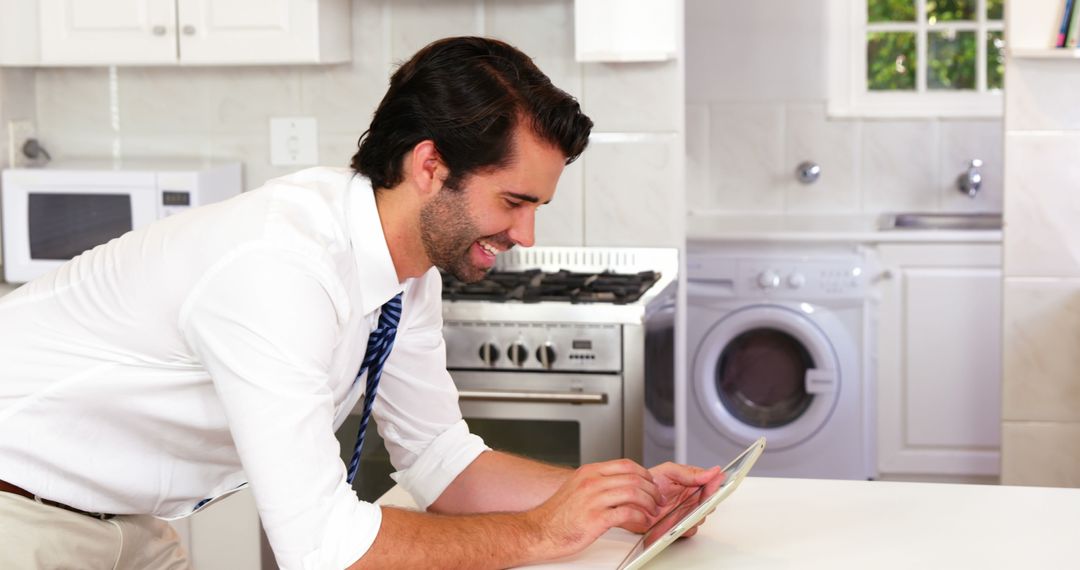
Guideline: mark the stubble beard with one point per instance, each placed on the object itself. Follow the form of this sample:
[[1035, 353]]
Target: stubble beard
[[448, 232]]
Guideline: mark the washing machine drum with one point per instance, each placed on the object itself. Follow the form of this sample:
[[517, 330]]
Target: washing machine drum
[[767, 370]]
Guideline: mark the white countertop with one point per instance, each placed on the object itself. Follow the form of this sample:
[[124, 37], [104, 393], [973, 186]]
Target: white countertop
[[834, 228], [805, 523]]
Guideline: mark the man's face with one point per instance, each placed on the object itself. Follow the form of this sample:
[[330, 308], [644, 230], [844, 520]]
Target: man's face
[[463, 229]]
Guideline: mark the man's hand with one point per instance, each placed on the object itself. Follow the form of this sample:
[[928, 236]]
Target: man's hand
[[677, 482], [595, 498]]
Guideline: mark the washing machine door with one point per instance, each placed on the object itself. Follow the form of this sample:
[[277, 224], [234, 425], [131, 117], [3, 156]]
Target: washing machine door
[[766, 370]]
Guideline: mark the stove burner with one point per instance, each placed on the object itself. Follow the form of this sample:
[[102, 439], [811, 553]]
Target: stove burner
[[533, 286]]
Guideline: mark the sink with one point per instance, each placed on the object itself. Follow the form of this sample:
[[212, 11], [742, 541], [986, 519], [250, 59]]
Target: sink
[[939, 221]]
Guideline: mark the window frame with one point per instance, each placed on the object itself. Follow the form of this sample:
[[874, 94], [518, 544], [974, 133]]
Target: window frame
[[847, 93]]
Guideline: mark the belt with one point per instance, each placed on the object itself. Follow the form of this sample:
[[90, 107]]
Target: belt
[[6, 487]]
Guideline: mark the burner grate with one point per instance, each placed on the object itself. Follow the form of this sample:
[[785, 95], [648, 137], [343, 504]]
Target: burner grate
[[533, 286]]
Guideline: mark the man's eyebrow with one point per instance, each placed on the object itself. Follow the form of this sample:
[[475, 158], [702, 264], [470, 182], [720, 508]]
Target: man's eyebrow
[[526, 197]]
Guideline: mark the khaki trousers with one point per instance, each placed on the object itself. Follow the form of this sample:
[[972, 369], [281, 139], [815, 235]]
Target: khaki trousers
[[37, 536]]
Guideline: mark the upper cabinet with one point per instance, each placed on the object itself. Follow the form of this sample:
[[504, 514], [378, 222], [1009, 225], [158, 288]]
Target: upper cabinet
[[626, 30], [185, 32]]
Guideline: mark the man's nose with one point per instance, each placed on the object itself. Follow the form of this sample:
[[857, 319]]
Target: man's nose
[[523, 232]]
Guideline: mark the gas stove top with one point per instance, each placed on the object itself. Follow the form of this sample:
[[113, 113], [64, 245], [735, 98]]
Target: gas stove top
[[564, 285], [535, 285]]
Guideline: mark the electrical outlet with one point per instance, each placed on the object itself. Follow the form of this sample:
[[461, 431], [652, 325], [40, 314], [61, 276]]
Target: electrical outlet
[[19, 131], [293, 141]]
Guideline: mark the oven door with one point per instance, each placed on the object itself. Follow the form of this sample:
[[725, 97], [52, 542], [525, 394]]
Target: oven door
[[560, 418]]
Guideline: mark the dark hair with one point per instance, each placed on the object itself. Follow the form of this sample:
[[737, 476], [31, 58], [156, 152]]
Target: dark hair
[[467, 95]]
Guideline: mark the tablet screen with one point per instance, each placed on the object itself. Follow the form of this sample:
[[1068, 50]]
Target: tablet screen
[[691, 510]]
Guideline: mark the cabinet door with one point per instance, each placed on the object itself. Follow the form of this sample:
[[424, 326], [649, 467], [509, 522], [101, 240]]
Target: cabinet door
[[939, 362], [263, 31], [107, 32]]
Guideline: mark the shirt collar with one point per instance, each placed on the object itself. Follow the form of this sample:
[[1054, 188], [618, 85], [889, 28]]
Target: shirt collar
[[377, 275]]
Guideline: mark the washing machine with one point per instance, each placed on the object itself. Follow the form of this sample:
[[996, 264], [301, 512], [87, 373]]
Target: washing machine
[[780, 345]]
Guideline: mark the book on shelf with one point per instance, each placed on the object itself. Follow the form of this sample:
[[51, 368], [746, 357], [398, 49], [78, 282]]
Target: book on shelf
[[1072, 36], [1066, 19]]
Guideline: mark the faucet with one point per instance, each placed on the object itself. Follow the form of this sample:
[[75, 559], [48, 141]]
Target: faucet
[[970, 180]]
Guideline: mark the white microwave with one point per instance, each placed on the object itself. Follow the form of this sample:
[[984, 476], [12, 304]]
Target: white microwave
[[49, 215]]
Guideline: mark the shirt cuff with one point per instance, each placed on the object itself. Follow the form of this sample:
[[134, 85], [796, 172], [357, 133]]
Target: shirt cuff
[[443, 460]]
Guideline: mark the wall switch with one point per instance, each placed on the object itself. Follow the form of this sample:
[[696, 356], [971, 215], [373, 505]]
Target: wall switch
[[18, 132], [293, 141]]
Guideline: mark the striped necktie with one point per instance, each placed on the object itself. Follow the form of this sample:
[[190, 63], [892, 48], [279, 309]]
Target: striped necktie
[[379, 344]]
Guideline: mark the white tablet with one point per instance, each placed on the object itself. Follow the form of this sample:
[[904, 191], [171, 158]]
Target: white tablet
[[690, 512]]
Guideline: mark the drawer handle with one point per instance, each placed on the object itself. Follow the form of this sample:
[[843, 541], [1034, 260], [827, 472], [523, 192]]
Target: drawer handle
[[532, 397]]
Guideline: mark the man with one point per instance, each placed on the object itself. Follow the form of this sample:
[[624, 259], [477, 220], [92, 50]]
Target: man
[[220, 348]]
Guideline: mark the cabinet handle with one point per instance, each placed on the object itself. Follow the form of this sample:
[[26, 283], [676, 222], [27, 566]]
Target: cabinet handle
[[188, 30], [158, 30]]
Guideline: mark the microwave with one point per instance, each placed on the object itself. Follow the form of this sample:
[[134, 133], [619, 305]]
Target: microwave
[[50, 215]]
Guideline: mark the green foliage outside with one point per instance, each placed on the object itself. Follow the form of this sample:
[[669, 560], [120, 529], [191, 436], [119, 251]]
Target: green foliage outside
[[951, 57], [995, 60], [952, 60], [890, 61]]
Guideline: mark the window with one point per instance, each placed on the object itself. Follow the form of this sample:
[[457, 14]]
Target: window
[[916, 58]]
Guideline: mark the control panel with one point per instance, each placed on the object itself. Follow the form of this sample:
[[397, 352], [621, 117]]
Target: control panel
[[473, 345], [783, 278]]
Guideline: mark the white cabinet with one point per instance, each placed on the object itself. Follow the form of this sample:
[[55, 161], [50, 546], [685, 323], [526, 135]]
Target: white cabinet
[[626, 30], [192, 32], [939, 359]]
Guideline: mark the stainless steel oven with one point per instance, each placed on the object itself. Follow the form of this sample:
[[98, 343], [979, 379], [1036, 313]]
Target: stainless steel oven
[[549, 355], [565, 419]]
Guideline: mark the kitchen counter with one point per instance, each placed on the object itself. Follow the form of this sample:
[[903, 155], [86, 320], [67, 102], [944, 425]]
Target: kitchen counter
[[808, 228], [6, 288], [805, 523]]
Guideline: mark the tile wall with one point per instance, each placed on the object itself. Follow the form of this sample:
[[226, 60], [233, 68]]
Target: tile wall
[[1041, 398], [756, 92], [223, 112]]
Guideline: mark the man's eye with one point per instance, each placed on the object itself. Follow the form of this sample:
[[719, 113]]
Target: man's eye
[[513, 203]]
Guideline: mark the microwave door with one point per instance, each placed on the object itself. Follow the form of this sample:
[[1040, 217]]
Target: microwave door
[[45, 226], [61, 226]]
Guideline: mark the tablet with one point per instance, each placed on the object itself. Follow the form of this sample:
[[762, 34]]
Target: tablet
[[690, 512]]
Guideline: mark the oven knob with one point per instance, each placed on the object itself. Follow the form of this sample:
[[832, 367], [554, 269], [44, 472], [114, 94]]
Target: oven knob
[[517, 353], [546, 355], [489, 353], [768, 279]]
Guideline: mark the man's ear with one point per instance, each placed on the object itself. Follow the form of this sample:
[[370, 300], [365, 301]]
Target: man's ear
[[425, 167]]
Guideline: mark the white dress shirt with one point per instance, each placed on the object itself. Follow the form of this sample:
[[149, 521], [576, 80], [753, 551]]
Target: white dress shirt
[[219, 347]]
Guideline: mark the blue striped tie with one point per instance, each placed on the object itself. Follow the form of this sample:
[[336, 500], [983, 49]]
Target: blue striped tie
[[379, 344]]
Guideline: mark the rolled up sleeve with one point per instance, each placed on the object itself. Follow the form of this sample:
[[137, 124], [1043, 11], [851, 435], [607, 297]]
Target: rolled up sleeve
[[417, 405]]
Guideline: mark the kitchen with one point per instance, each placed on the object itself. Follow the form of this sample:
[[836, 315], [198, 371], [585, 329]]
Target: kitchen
[[754, 109]]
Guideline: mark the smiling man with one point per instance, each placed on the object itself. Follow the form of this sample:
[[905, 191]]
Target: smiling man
[[220, 348]]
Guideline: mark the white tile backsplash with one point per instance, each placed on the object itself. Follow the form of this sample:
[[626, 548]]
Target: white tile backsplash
[[766, 50], [749, 55], [1041, 331], [170, 101], [962, 141], [416, 23], [550, 44], [832, 144], [1042, 95], [899, 166], [631, 199], [746, 145], [73, 100], [697, 156], [562, 222], [633, 97], [1042, 205]]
